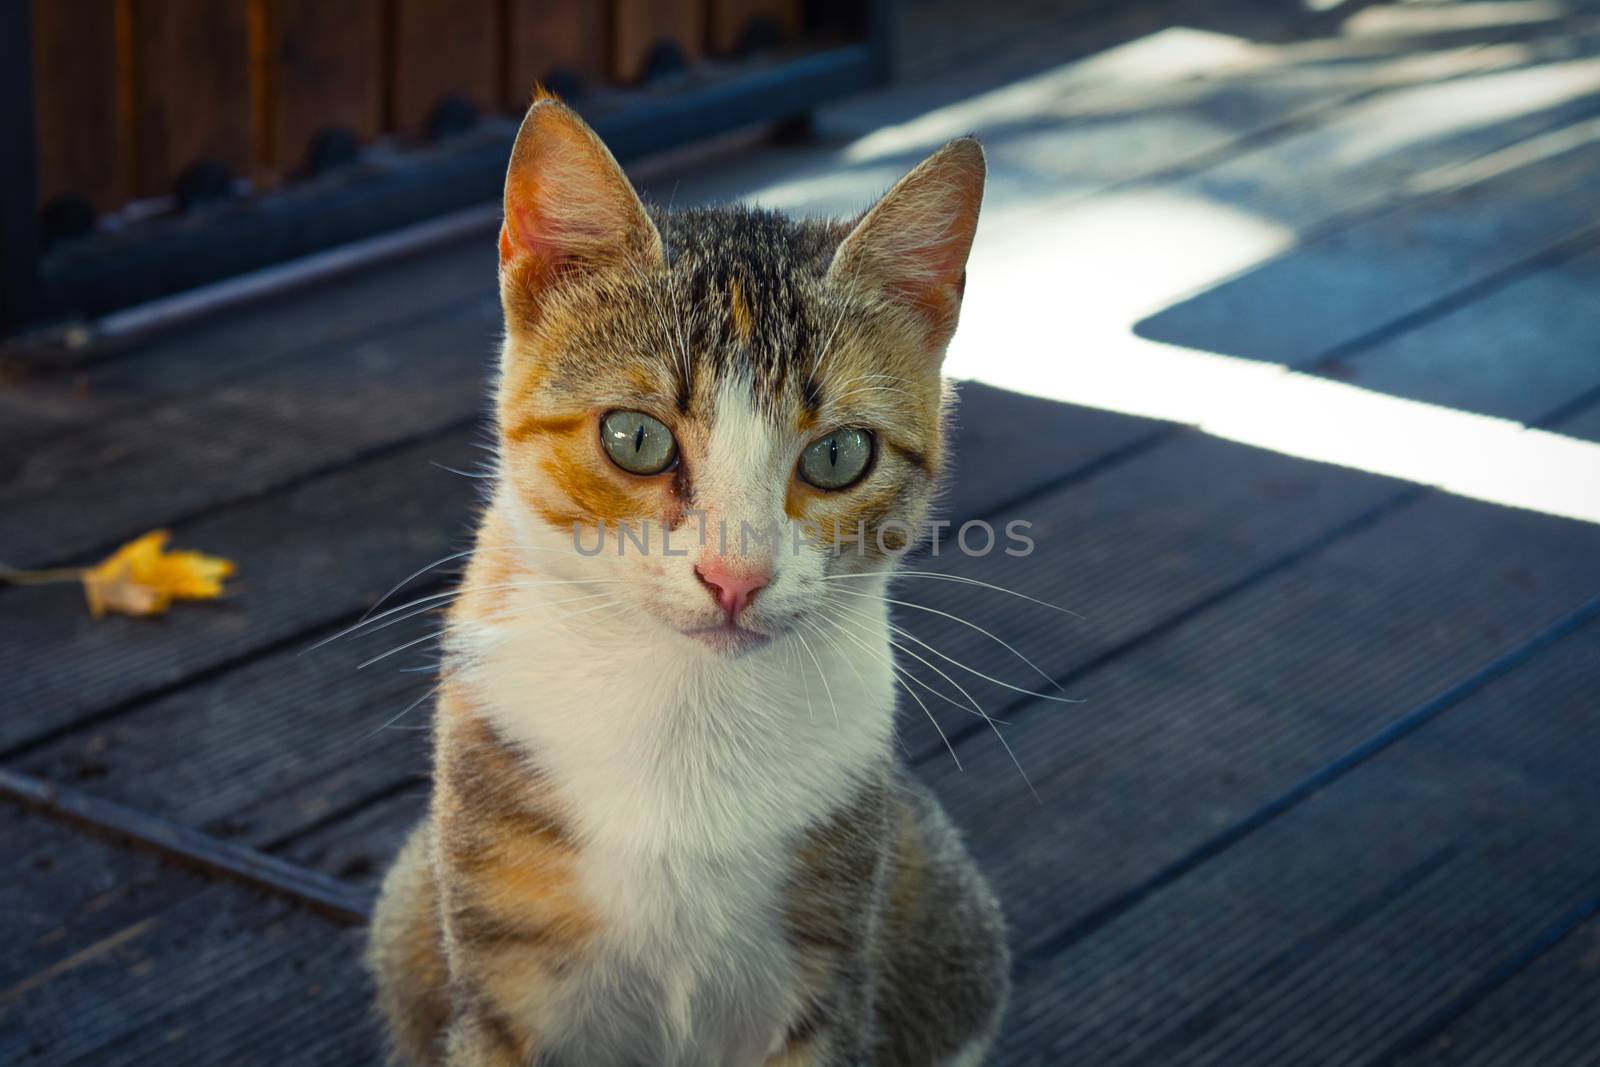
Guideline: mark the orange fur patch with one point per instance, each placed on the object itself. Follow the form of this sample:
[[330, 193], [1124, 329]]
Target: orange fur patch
[[739, 314], [507, 864], [534, 426]]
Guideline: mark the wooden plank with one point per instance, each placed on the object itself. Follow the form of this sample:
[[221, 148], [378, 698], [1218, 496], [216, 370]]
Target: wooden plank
[[1356, 916], [82, 132], [1197, 728], [102, 279], [192, 90], [1518, 352], [66, 891], [359, 532], [1542, 1015], [558, 43], [1137, 548], [186, 845], [732, 23], [114, 960], [236, 442], [361, 846], [638, 27], [1584, 425], [272, 747], [325, 68], [158, 257], [250, 339], [1456, 229], [440, 50]]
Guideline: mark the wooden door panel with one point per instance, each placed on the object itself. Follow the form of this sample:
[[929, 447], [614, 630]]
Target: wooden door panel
[[191, 79], [439, 50], [640, 26], [552, 42], [324, 70]]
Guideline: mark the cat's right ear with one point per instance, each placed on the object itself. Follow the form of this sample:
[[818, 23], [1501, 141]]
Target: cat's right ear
[[569, 209]]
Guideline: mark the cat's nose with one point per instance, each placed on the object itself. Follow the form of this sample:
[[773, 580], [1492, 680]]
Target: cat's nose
[[733, 590]]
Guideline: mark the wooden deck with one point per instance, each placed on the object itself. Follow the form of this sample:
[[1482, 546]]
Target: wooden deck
[[1331, 794]]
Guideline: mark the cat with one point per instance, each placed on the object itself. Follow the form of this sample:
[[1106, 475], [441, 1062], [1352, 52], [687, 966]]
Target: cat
[[668, 824]]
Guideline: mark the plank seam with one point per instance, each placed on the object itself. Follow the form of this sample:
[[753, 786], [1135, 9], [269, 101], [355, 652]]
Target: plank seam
[[287, 485], [1277, 565], [1211, 1014], [330, 896], [1551, 420], [1556, 255], [355, 807], [1513, 965], [1218, 843], [321, 351]]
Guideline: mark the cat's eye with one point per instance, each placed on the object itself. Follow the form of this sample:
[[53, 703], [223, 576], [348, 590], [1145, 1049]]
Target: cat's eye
[[637, 443], [837, 460]]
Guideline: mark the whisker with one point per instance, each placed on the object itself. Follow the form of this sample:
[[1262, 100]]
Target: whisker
[[902, 631], [446, 595], [435, 634], [962, 690], [820, 673], [937, 576], [970, 625], [364, 621], [432, 635], [897, 667], [833, 645], [407, 710], [464, 474], [408, 579], [799, 664], [894, 672]]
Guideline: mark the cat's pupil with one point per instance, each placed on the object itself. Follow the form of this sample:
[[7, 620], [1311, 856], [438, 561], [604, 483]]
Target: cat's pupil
[[833, 451], [638, 438]]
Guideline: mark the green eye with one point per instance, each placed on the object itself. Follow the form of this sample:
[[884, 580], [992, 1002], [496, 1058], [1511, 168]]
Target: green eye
[[637, 443], [837, 460]]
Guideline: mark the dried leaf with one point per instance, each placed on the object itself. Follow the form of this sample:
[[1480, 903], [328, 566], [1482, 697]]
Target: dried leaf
[[141, 578]]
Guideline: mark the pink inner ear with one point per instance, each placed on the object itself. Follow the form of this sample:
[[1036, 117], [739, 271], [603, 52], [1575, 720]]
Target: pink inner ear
[[554, 228], [519, 236], [914, 244], [564, 197]]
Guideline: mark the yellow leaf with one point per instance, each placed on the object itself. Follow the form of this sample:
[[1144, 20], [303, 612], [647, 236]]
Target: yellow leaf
[[141, 578]]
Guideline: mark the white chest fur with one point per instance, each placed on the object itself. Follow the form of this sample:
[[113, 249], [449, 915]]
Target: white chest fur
[[689, 778]]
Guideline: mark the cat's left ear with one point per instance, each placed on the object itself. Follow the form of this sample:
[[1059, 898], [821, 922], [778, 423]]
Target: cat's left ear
[[912, 246]]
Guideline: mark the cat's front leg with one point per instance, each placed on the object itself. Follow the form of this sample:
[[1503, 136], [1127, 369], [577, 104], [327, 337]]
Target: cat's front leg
[[480, 1036]]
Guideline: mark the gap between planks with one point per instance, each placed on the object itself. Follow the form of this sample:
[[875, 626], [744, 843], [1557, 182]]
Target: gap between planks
[[320, 892]]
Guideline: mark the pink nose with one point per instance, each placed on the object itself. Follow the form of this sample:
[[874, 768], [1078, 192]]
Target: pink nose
[[732, 589]]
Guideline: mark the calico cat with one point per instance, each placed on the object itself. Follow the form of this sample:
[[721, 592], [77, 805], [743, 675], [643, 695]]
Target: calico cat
[[668, 825]]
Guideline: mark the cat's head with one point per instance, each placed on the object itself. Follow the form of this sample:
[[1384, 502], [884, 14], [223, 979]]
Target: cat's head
[[766, 390]]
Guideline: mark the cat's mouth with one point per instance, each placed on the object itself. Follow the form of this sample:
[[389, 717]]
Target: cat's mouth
[[728, 638]]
